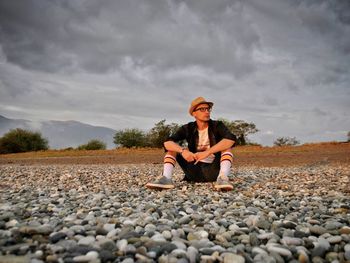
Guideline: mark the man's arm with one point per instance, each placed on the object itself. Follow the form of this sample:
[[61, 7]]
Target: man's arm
[[174, 147], [222, 145]]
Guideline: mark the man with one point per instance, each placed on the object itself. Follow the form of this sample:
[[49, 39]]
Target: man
[[208, 156]]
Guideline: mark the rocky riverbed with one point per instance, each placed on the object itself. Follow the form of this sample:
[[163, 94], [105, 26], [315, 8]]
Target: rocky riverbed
[[103, 213]]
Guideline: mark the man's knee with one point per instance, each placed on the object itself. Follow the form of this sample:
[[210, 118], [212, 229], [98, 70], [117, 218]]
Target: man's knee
[[229, 150], [226, 155], [173, 154]]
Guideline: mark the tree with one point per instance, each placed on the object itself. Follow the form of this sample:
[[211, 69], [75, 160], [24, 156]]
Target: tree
[[20, 140], [93, 145], [286, 141], [241, 129], [130, 138], [159, 133]]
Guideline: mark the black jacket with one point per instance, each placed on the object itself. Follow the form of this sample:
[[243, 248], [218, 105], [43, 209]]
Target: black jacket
[[216, 131]]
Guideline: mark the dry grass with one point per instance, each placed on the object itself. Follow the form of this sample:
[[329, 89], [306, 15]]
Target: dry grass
[[77, 153], [327, 153]]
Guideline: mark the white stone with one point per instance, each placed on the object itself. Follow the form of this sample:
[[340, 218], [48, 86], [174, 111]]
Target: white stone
[[108, 227], [279, 250], [291, 241], [121, 244], [233, 258], [11, 223], [112, 233], [158, 238], [166, 234], [258, 250]]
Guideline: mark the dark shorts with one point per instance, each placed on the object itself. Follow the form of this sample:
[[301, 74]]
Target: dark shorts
[[201, 172]]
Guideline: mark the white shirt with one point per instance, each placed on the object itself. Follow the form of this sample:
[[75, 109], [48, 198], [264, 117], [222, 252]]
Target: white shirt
[[204, 144]]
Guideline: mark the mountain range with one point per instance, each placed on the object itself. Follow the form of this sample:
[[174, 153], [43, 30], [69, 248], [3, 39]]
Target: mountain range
[[61, 134]]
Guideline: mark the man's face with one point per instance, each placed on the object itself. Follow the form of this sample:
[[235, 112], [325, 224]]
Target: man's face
[[202, 112]]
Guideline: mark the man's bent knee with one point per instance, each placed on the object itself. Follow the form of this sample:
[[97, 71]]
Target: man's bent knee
[[171, 153]]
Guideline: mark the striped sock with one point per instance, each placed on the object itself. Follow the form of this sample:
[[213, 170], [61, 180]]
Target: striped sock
[[226, 163], [169, 164]]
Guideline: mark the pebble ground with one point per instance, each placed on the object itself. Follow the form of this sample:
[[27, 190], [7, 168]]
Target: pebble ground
[[103, 213]]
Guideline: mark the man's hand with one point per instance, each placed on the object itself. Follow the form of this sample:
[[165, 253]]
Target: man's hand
[[188, 156], [200, 156]]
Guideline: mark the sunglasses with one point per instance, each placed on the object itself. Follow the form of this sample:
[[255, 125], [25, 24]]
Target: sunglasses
[[203, 109]]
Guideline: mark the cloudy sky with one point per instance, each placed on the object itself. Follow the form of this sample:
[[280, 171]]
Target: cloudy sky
[[281, 64]]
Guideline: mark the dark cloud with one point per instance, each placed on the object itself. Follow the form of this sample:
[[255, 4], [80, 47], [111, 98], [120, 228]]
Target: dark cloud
[[284, 65], [99, 36]]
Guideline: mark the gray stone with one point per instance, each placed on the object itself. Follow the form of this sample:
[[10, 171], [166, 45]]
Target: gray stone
[[347, 255], [192, 254], [347, 247], [87, 241], [57, 237], [318, 230], [106, 244], [318, 251], [185, 220], [334, 239]]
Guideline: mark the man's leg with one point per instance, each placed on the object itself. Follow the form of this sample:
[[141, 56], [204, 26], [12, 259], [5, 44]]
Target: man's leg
[[222, 182], [226, 163], [165, 181], [169, 164]]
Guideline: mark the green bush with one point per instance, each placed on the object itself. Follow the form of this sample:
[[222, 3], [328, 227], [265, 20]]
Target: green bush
[[130, 138], [93, 145], [241, 129], [20, 140], [159, 133]]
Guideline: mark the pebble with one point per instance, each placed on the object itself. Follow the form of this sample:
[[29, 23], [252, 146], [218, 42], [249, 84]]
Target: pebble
[[279, 250], [291, 241], [334, 239], [91, 256], [103, 213], [86, 241], [345, 230], [318, 230], [233, 258]]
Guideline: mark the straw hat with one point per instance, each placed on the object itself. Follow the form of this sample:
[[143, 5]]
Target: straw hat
[[196, 102]]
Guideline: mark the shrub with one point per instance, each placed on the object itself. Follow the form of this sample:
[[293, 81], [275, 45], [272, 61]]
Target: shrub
[[130, 138], [20, 140], [159, 133], [284, 141], [93, 145], [241, 129]]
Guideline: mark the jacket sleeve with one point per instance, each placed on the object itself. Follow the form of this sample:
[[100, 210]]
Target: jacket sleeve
[[179, 135], [225, 132]]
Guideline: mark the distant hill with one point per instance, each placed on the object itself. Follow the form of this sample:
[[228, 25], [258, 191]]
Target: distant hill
[[61, 134]]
